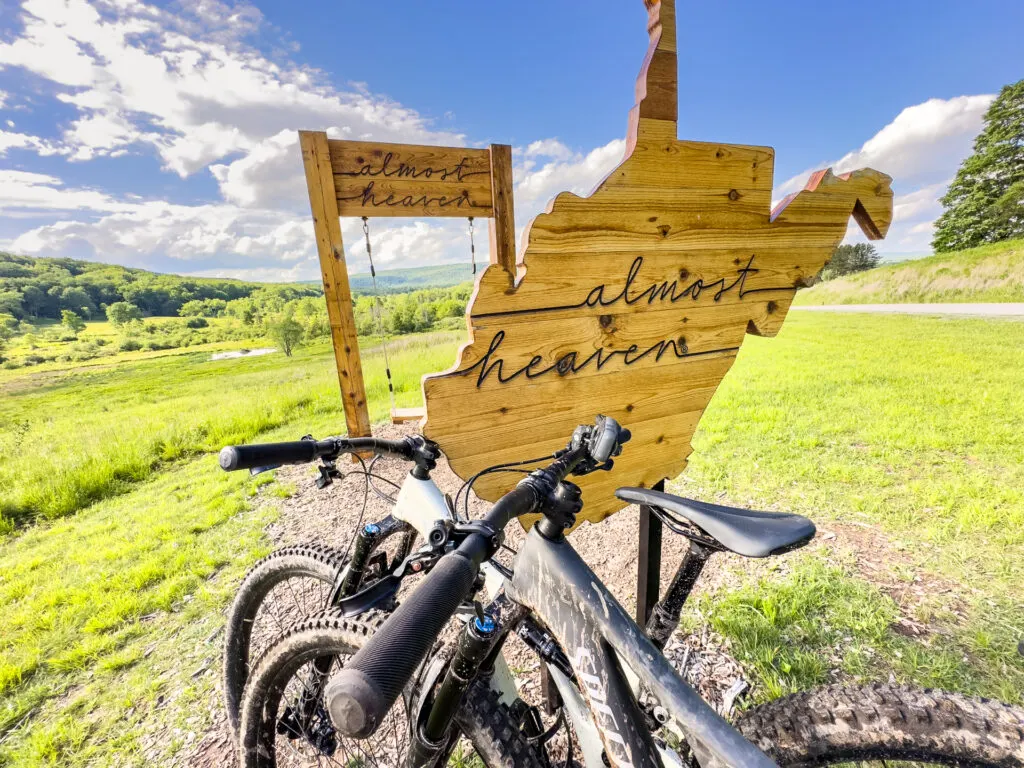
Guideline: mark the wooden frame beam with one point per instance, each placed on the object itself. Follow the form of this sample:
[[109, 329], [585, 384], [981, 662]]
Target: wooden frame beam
[[323, 202]]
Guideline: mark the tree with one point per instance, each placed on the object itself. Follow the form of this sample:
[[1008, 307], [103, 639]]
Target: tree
[[72, 322], [77, 300], [9, 326], [847, 259], [10, 303], [123, 312], [286, 332], [985, 202]]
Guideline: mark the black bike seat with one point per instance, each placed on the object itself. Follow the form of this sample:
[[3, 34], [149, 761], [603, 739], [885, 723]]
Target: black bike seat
[[743, 531]]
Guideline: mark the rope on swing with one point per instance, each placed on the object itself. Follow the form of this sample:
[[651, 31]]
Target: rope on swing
[[379, 315]]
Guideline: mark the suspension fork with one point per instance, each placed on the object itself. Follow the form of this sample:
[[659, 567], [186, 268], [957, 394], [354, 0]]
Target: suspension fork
[[480, 642], [368, 540]]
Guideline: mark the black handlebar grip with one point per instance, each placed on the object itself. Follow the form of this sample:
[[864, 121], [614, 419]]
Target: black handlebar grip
[[361, 694], [267, 454]]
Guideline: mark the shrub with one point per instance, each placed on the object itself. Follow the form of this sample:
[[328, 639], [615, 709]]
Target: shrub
[[122, 312], [197, 322], [129, 345]]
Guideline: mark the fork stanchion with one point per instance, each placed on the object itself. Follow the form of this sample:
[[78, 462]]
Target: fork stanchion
[[648, 567]]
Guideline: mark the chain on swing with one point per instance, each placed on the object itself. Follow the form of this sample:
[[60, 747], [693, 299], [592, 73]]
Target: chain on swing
[[379, 317], [377, 301]]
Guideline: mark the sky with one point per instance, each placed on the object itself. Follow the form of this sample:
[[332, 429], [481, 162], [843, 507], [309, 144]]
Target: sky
[[163, 135]]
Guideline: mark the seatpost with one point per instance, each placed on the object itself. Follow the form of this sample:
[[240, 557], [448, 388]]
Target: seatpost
[[665, 616]]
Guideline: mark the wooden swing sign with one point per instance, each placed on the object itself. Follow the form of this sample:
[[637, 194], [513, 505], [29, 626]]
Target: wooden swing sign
[[360, 178], [631, 302]]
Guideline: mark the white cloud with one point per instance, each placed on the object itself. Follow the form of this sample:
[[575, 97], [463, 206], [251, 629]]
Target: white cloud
[[10, 140], [552, 148], [186, 233], [187, 84], [922, 148], [27, 191], [189, 87], [247, 242], [568, 171], [921, 203]]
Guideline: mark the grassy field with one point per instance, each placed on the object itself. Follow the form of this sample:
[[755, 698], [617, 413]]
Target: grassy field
[[73, 437], [910, 429], [989, 273], [913, 427]]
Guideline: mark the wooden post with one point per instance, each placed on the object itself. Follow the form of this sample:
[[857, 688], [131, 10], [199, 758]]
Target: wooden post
[[648, 562], [502, 225], [327, 226]]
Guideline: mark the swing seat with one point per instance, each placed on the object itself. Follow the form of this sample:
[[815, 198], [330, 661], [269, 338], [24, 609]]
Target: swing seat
[[403, 415]]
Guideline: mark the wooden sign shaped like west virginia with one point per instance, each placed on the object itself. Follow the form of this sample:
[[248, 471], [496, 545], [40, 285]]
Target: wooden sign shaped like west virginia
[[634, 301]]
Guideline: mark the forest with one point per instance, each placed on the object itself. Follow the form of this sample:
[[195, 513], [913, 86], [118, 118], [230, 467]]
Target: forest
[[40, 288], [64, 310]]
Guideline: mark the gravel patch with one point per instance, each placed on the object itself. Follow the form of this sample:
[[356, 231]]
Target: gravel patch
[[331, 515]]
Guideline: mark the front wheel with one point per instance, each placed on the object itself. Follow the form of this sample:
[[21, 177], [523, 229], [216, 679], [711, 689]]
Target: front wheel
[[883, 724], [284, 719], [284, 587]]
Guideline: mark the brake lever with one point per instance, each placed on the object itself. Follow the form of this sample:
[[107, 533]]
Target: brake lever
[[387, 587]]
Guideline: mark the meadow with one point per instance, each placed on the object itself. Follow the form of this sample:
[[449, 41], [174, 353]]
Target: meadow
[[988, 273], [124, 542]]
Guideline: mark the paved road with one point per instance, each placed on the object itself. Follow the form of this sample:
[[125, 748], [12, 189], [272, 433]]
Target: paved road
[[975, 310]]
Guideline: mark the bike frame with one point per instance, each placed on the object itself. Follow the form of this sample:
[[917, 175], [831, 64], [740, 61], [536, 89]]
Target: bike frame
[[602, 642], [610, 655]]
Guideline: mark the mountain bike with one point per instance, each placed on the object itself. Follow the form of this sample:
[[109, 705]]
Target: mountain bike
[[294, 582], [374, 689]]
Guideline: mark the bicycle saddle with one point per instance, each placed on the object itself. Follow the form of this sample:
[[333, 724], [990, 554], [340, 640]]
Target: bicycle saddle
[[743, 531]]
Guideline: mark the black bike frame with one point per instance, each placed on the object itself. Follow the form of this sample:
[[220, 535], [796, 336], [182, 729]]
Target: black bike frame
[[598, 636]]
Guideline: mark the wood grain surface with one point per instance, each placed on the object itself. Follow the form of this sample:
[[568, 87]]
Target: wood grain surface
[[331, 250], [379, 179], [634, 300]]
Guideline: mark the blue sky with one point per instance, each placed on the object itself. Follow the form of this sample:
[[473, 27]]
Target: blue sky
[[163, 135]]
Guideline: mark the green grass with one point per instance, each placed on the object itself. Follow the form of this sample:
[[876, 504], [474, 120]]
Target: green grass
[[70, 439], [989, 273], [821, 623], [913, 426], [108, 610]]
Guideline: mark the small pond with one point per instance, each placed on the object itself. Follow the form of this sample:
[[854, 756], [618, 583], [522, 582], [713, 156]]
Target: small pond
[[242, 353]]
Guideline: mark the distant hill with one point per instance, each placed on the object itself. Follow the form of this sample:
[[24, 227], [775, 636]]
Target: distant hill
[[414, 278], [33, 287], [991, 273]]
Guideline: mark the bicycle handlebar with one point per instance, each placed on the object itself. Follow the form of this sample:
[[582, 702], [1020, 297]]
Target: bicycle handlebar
[[361, 694], [261, 455], [234, 457]]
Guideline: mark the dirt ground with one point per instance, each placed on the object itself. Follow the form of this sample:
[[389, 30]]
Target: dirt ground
[[329, 516]]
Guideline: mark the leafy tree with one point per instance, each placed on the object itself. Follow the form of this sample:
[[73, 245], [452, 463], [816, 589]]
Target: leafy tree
[[311, 314], [123, 312], [985, 202], [10, 303], [8, 326], [34, 299], [286, 332], [77, 300], [203, 308], [72, 322], [847, 259]]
